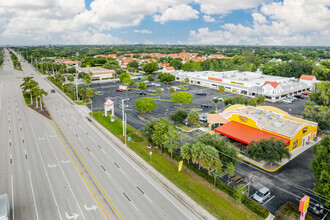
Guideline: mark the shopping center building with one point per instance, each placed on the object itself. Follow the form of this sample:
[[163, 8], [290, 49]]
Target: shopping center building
[[250, 83], [246, 124]]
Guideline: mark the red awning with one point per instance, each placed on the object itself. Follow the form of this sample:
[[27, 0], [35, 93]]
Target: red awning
[[244, 133]]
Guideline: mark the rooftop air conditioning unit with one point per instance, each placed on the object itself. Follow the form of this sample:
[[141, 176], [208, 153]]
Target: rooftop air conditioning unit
[[278, 124]]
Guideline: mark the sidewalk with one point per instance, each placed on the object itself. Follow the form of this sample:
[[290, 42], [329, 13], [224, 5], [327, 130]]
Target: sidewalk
[[262, 164]]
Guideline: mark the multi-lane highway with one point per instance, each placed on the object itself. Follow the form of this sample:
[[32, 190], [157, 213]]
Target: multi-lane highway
[[35, 169], [42, 178]]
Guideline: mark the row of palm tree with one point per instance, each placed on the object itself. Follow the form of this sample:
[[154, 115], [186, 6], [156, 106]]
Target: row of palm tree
[[32, 87], [207, 157]]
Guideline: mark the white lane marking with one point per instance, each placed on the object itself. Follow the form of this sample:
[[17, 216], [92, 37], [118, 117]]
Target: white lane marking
[[134, 206], [12, 196], [41, 139], [123, 156], [52, 136], [58, 162], [93, 207], [43, 164], [34, 199], [148, 198], [74, 216], [269, 200], [66, 161], [51, 165]]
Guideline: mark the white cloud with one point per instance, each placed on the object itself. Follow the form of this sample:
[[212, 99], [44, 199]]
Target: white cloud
[[225, 6], [89, 37], [146, 41], [143, 31], [178, 12], [300, 15], [259, 18], [292, 22], [208, 18]]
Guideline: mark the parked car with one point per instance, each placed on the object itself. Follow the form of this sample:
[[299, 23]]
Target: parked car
[[288, 100], [151, 90], [142, 93], [52, 90], [201, 93], [261, 195], [206, 106], [306, 93], [203, 119], [300, 96], [119, 90]]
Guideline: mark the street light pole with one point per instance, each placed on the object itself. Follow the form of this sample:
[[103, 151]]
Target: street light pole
[[123, 116], [125, 129]]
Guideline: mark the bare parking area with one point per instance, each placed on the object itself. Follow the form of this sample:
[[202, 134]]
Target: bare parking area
[[163, 108]]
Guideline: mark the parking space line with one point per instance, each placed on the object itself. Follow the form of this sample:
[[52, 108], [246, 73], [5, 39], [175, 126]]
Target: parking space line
[[269, 199]]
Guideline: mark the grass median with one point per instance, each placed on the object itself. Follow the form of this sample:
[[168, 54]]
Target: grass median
[[217, 202]]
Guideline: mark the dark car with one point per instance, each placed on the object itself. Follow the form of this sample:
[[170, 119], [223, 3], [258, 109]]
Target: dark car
[[52, 90], [206, 106], [201, 93], [299, 96], [142, 93], [119, 90]]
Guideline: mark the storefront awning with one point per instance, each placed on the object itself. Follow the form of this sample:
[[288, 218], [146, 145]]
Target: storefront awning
[[244, 133]]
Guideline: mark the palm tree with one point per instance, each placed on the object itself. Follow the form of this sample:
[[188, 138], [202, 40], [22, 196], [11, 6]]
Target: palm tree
[[89, 93], [185, 151], [194, 153], [41, 93], [171, 90], [221, 89], [159, 91], [216, 100], [28, 84], [35, 91], [217, 171], [308, 105]]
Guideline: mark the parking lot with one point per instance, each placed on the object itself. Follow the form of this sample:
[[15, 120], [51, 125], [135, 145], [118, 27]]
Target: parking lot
[[163, 108], [290, 183]]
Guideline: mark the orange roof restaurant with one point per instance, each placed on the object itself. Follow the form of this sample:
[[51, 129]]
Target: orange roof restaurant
[[245, 124]]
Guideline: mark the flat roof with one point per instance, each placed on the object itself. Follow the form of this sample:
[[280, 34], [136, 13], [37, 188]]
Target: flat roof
[[244, 133], [272, 121]]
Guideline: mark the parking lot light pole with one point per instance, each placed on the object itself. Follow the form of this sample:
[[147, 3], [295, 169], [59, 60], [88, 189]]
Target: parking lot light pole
[[125, 130], [123, 115]]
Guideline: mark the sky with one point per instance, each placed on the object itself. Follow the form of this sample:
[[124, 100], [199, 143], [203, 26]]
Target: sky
[[216, 22]]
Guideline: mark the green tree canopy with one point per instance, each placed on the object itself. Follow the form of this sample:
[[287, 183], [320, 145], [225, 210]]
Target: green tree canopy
[[145, 104], [127, 81], [176, 64], [322, 94], [193, 117], [134, 64], [166, 77], [320, 166], [123, 76], [270, 150], [182, 98], [150, 67], [141, 85], [179, 116]]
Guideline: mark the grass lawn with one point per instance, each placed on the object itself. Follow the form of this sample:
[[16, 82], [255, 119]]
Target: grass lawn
[[97, 92], [164, 100], [151, 94], [189, 108], [289, 211], [217, 202], [186, 128]]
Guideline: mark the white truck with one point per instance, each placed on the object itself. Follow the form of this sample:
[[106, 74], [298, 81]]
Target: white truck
[[124, 87], [4, 207]]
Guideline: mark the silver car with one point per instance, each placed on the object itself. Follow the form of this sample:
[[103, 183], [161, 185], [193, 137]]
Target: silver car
[[261, 195]]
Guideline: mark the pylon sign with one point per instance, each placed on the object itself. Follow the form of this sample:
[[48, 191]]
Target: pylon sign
[[180, 166], [109, 105], [303, 206]]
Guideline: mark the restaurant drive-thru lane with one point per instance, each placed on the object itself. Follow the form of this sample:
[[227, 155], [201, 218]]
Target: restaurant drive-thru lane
[[35, 169], [129, 190]]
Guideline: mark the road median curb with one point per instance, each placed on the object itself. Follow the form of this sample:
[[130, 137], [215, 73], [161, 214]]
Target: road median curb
[[199, 211]]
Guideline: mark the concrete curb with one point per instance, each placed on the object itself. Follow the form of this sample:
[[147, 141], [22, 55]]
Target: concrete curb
[[199, 211]]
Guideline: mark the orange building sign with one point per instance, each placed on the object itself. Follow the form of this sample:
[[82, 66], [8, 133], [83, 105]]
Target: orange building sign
[[215, 79]]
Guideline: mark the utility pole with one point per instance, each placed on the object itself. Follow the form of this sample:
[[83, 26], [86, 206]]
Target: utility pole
[[249, 183], [77, 86], [125, 129], [123, 114]]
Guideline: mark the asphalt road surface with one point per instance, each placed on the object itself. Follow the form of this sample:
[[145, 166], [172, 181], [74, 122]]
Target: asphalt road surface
[[35, 169], [127, 189]]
